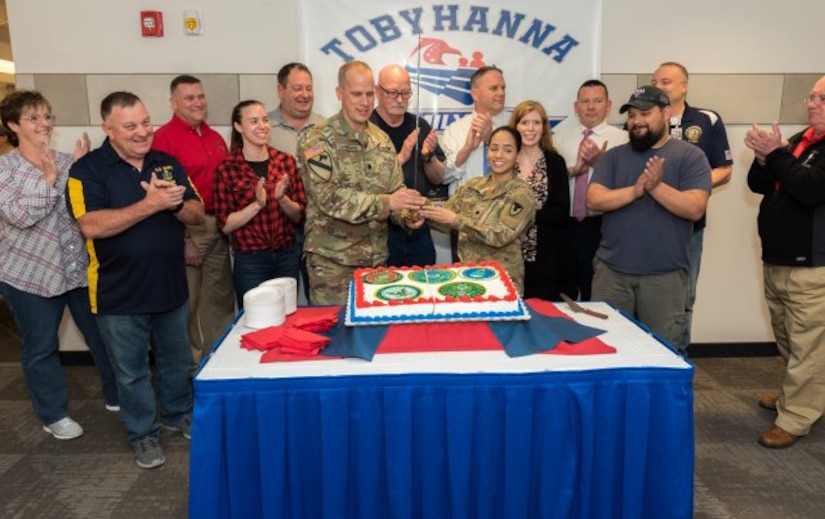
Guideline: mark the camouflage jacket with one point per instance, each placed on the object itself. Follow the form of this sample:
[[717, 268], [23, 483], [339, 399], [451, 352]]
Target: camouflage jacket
[[492, 220], [348, 178]]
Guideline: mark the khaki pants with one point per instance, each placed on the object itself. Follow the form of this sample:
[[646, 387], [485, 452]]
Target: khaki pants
[[796, 300], [328, 281], [657, 300], [211, 296]]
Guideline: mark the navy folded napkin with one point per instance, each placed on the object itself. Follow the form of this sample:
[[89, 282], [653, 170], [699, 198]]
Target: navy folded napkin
[[540, 333], [353, 341]]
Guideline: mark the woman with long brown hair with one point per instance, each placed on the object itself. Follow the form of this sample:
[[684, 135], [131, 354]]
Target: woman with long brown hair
[[259, 200], [539, 165]]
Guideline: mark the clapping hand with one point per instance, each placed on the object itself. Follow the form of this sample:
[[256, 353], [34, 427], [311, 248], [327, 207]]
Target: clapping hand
[[430, 144], [651, 177], [260, 193], [281, 187], [762, 141], [162, 194], [654, 171], [480, 130], [408, 147], [47, 164], [82, 146]]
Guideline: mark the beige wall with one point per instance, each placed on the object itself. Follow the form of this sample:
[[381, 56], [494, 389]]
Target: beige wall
[[747, 61]]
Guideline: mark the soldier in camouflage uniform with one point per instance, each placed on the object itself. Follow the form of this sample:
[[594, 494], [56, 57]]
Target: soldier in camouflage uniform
[[492, 213], [353, 184]]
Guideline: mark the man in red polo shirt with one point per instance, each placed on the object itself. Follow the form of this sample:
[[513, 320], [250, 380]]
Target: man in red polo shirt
[[199, 149]]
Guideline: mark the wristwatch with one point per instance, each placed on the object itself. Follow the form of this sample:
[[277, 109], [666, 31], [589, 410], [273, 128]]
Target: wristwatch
[[426, 159]]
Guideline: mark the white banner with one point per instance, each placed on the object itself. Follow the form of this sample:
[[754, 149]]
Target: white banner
[[546, 49]]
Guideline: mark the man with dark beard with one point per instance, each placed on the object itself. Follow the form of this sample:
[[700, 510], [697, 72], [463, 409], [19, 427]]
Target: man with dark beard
[[650, 190]]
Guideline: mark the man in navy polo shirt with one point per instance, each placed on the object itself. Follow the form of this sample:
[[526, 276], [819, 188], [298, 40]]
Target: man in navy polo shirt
[[131, 204], [705, 129]]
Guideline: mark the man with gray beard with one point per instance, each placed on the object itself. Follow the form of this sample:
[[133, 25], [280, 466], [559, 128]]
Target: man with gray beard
[[650, 190]]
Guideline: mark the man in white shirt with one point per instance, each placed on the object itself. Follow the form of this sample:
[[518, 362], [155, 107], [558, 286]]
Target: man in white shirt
[[465, 140], [582, 145]]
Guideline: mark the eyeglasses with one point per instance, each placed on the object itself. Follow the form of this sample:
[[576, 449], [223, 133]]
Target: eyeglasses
[[817, 99], [38, 119], [395, 94]]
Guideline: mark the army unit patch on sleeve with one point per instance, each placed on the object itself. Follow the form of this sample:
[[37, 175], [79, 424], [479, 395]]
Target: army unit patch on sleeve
[[511, 215], [319, 162]]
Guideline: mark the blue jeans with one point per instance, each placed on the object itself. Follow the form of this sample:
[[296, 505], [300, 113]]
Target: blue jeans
[[254, 267], [38, 319], [695, 251], [128, 339]]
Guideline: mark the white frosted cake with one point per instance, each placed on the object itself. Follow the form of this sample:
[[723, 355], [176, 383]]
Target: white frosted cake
[[461, 292]]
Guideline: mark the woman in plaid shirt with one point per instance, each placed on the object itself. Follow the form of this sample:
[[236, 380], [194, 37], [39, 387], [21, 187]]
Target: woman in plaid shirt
[[259, 200], [44, 260]]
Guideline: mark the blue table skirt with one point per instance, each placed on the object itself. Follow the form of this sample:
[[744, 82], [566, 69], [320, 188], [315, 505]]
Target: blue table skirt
[[614, 443]]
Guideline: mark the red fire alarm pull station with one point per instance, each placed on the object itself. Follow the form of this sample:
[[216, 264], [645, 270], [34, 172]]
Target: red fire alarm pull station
[[151, 24]]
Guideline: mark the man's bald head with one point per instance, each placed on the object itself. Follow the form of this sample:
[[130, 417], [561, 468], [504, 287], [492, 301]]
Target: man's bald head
[[393, 92], [393, 73]]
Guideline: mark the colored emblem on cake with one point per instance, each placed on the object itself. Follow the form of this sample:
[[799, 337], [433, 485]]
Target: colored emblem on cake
[[397, 293], [432, 276], [382, 277], [436, 293], [462, 289], [480, 273]]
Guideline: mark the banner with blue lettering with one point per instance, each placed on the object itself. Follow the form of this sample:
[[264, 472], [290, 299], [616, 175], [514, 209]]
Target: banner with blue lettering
[[546, 49]]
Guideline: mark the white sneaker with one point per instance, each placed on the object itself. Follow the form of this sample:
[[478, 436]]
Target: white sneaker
[[64, 429], [113, 408]]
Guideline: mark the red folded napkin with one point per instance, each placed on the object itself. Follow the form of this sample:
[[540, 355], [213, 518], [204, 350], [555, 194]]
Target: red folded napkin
[[291, 344], [315, 319], [276, 355], [301, 342], [263, 339]]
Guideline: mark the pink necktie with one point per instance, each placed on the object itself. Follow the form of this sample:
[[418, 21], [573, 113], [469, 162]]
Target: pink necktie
[[580, 188]]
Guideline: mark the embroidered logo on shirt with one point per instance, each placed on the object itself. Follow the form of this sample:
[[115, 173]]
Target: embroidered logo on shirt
[[516, 209], [692, 134], [164, 173]]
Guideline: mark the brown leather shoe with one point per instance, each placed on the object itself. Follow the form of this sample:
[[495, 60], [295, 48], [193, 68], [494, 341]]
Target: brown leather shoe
[[768, 402], [777, 438]]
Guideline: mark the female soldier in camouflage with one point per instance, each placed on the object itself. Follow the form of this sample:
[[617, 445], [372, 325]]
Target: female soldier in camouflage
[[491, 213]]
